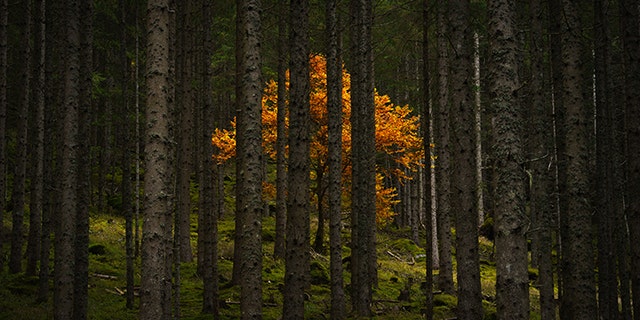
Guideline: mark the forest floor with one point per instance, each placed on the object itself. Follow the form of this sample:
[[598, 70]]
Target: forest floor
[[401, 266]]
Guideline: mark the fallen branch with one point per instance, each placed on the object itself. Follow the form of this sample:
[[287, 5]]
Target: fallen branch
[[104, 276]]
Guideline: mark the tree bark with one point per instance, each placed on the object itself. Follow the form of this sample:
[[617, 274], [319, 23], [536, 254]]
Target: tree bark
[[541, 157], [579, 300], [463, 180], [158, 176], [281, 142], [37, 142], [250, 155], [334, 110], [208, 257], [631, 41], [64, 271], [297, 257], [20, 169], [363, 158], [443, 152], [512, 284], [81, 283], [4, 13], [427, 137]]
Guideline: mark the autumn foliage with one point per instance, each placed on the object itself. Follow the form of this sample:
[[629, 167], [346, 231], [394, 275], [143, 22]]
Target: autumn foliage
[[397, 135]]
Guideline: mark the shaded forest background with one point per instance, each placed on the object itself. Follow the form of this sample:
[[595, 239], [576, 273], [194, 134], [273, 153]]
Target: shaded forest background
[[517, 197]]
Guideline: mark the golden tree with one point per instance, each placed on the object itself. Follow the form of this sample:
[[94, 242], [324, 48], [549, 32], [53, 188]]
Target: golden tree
[[397, 136]]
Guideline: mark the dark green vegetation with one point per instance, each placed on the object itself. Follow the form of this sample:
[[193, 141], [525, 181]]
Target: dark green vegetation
[[399, 295]]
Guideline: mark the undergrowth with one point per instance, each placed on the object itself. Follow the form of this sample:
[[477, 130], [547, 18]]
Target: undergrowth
[[398, 295]]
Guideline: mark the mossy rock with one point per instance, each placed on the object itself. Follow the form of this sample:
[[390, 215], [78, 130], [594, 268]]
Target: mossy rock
[[406, 246], [319, 274], [445, 300]]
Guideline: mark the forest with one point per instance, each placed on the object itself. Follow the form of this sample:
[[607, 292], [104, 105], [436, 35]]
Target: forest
[[304, 159]]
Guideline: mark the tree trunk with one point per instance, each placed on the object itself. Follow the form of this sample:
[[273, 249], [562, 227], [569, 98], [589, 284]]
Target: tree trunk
[[158, 176], [81, 283], [512, 285], [443, 151], [250, 162], [208, 257], [37, 143], [184, 156], [4, 13], [363, 158], [463, 180], [540, 144], [427, 138], [281, 142], [66, 228], [605, 151], [631, 41], [579, 300], [334, 110], [19, 177], [297, 257]]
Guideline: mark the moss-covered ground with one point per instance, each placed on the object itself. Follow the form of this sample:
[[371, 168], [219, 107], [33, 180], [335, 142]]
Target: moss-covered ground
[[401, 267]]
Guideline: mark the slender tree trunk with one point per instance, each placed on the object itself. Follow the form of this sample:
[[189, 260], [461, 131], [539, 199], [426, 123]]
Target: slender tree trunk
[[318, 243], [363, 158], [184, 156], [81, 283], [281, 140], [297, 257], [463, 180], [605, 151], [512, 285], [126, 142], [53, 129], [427, 137], [4, 13], [334, 110], [65, 232], [37, 142], [540, 144], [250, 155], [208, 257], [158, 177], [579, 300], [631, 40], [443, 152], [20, 169]]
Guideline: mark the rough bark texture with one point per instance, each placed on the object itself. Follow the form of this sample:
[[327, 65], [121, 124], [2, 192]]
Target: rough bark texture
[[463, 179], [158, 174], [281, 142], [511, 222], [579, 299], [20, 167], [426, 182], [540, 144], [208, 257], [64, 272], [81, 245], [251, 164], [443, 151], [631, 39], [334, 110], [297, 256], [184, 158], [363, 258], [37, 144], [605, 200], [4, 12]]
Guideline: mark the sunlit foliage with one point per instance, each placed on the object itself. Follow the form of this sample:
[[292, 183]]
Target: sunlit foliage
[[397, 135]]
